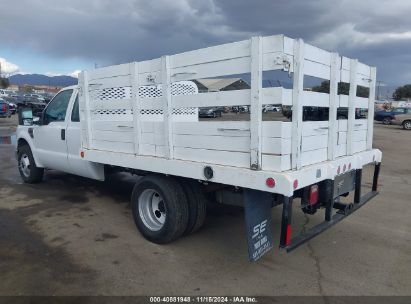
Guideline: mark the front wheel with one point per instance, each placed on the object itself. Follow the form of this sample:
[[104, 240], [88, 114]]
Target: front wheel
[[160, 209], [386, 121], [29, 172], [407, 125]]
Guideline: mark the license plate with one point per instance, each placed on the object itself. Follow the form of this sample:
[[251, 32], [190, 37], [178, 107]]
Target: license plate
[[344, 183]]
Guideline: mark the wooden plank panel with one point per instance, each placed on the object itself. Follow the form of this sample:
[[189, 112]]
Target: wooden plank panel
[[111, 104], [232, 128], [360, 135], [110, 82], [212, 69], [234, 159], [359, 146], [114, 136], [342, 138], [110, 71], [341, 150], [118, 126], [361, 102], [211, 54], [149, 66], [120, 147], [276, 163], [311, 143], [314, 128], [273, 44], [313, 157], [343, 101], [316, 70], [316, 99], [318, 55], [228, 143]]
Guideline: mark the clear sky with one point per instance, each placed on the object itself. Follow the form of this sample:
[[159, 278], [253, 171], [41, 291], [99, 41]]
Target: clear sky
[[60, 37]]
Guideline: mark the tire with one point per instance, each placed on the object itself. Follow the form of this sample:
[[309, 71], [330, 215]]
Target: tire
[[407, 125], [197, 205], [28, 169], [386, 121], [160, 209]]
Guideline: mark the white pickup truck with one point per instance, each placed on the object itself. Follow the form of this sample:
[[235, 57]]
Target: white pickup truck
[[143, 118]]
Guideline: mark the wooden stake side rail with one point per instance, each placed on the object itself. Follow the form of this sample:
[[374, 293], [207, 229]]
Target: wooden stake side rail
[[151, 108]]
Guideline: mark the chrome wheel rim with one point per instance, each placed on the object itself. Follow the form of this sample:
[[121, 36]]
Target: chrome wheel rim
[[152, 209], [407, 125], [25, 165]]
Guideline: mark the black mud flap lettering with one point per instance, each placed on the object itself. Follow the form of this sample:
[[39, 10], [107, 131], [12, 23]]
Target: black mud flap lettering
[[257, 205]]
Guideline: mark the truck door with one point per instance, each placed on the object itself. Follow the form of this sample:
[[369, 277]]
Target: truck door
[[50, 137], [77, 165]]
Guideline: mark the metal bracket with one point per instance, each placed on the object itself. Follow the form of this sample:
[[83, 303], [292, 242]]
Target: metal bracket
[[283, 60]]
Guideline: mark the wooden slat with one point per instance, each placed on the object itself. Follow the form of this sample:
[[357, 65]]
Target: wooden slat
[[371, 109], [111, 104], [118, 126], [315, 99], [166, 87], [116, 137], [334, 103], [211, 54], [315, 128], [317, 55], [351, 105], [135, 104], [110, 82], [110, 71], [311, 143], [313, 157], [297, 119], [121, 147], [276, 163], [212, 69], [256, 117], [316, 70]]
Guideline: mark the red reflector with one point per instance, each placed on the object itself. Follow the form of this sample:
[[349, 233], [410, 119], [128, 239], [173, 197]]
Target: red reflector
[[270, 182], [345, 168], [288, 236], [349, 166], [82, 154], [296, 184], [339, 170], [313, 195], [4, 107]]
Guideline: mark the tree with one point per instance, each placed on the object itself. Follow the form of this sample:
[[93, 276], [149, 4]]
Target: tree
[[4, 83], [402, 92], [343, 89]]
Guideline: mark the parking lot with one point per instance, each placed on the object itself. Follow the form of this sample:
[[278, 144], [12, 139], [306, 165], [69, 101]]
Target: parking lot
[[72, 236]]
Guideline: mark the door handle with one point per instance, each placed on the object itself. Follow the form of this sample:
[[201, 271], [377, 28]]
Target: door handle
[[63, 134]]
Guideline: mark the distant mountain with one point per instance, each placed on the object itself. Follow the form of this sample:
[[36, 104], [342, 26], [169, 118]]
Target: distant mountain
[[37, 79]]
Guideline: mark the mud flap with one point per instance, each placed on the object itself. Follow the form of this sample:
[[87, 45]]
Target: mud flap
[[257, 206]]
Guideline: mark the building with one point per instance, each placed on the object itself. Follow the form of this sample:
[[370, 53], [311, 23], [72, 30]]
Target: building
[[220, 84]]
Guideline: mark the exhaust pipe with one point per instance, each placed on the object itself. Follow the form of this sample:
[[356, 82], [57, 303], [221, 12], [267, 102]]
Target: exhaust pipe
[[344, 208]]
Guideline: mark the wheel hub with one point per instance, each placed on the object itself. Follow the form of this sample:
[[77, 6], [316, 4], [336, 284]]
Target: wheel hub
[[25, 165], [152, 209]]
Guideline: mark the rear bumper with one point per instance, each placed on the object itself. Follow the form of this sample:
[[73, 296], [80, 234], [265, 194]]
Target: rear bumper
[[288, 243]]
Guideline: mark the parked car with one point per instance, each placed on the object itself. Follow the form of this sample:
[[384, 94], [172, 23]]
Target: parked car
[[386, 117], [37, 96], [212, 112], [4, 109], [271, 108], [321, 114], [12, 105], [403, 119]]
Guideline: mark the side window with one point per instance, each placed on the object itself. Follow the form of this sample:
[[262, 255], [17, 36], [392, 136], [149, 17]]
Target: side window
[[75, 114], [56, 110]]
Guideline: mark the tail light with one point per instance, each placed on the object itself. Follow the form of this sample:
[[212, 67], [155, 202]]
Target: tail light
[[4, 107], [313, 199]]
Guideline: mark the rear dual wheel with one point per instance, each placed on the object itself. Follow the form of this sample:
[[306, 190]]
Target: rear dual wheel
[[164, 209]]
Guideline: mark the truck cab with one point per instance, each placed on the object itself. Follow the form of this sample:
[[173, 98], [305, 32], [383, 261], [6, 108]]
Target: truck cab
[[53, 141]]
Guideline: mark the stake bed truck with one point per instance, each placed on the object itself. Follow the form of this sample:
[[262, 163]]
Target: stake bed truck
[[143, 118]]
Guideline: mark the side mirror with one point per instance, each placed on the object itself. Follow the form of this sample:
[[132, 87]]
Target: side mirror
[[25, 117]]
